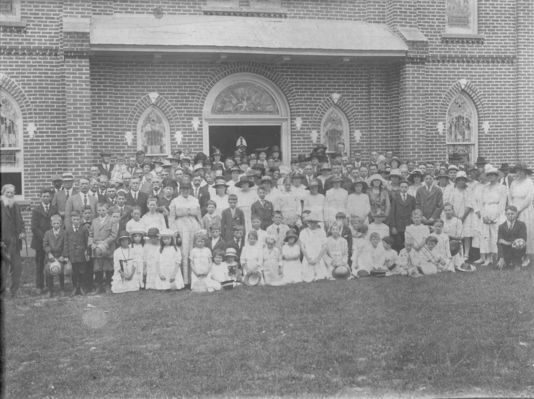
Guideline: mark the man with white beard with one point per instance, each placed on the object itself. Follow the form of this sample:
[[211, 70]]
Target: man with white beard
[[12, 234]]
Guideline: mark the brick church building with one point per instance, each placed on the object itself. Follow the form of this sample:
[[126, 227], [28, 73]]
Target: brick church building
[[428, 79]]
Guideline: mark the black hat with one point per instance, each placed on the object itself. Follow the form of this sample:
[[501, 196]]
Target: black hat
[[522, 166], [481, 161], [244, 179], [505, 167]]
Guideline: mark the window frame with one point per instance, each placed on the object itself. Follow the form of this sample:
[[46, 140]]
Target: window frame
[[457, 31], [167, 138], [20, 145], [346, 128], [474, 128]]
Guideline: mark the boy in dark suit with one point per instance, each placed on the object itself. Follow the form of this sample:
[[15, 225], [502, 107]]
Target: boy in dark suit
[[429, 199], [238, 240], [200, 193], [509, 254], [346, 232], [136, 196], [216, 242], [262, 209], [53, 244], [400, 216], [40, 224], [75, 250], [231, 217]]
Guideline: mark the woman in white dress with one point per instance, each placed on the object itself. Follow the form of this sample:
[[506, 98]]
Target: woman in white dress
[[246, 196], [184, 218], [335, 201], [358, 204], [289, 204], [521, 195], [492, 206], [313, 244], [314, 200], [220, 198]]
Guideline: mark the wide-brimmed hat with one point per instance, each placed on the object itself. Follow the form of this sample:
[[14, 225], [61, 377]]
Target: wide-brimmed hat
[[220, 183], [395, 172], [252, 278], [243, 180], [314, 183], [505, 167], [481, 161], [57, 178], [443, 175], [124, 235], [152, 232], [291, 234], [490, 170], [336, 179], [267, 179], [379, 214], [325, 166], [313, 217], [453, 167], [68, 176], [416, 172], [137, 231], [230, 252], [376, 176], [522, 166], [461, 175], [167, 233]]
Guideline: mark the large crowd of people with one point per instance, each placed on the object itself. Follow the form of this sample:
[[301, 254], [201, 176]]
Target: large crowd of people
[[205, 223]]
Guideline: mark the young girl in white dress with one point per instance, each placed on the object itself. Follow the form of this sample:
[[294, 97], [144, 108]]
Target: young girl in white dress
[[219, 271], [150, 256], [201, 263], [272, 262], [138, 255], [291, 265], [417, 231], [312, 240], [124, 267], [337, 250], [251, 254], [168, 263]]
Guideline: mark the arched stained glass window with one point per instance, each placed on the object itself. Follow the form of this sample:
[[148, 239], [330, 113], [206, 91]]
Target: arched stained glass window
[[153, 133], [11, 147], [335, 130], [461, 130], [245, 98]]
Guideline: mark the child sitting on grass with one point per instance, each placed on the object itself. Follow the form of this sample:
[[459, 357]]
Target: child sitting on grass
[[372, 259], [291, 265], [429, 260], [391, 257], [417, 231], [407, 260], [337, 252], [168, 263], [137, 237], [219, 270], [124, 266], [201, 264], [443, 248], [230, 264]]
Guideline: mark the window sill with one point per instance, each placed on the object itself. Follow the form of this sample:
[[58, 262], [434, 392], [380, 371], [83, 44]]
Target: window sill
[[13, 24], [245, 11], [462, 37]]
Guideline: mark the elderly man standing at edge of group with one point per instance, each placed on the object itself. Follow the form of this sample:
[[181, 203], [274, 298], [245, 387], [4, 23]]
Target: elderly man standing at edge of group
[[12, 234]]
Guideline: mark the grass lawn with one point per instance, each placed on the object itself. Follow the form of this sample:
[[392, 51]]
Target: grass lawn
[[451, 334]]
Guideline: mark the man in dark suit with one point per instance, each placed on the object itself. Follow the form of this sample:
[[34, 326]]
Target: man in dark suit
[[508, 232], [124, 209], [200, 193], [237, 241], [40, 224], [429, 199], [79, 201], [136, 197], [262, 209], [12, 234], [230, 217], [61, 196], [105, 166], [400, 215]]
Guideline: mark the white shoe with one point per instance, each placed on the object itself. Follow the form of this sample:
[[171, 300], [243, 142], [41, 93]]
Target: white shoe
[[526, 262], [479, 261]]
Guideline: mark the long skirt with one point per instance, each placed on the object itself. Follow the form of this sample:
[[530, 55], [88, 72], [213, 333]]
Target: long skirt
[[187, 226]]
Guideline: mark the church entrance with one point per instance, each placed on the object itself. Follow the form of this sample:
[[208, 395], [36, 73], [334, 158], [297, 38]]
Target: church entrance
[[249, 106], [225, 138]]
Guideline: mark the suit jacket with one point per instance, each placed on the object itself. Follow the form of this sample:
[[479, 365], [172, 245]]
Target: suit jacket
[[228, 222], [400, 214], [76, 244], [430, 202], [12, 225], [126, 215], [220, 245], [203, 198], [141, 201], [60, 200], [75, 203], [105, 233], [54, 245], [103, 171], [263, 212], [519, 230], [40, 224]]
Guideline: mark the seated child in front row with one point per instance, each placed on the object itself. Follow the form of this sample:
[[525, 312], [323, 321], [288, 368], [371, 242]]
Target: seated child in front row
[[272, 262], [337, 251], [252, 254], [391, 256], [444, 250], [150, 257], [124, 267], [219, 270], [407, 260], [372, 258], [138, 255], [417, 231], [429, 259], [201, 264], [53, 245], [168, 262], [292, 269]]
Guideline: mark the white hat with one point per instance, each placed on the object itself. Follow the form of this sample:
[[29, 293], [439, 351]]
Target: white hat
[[490, 169], [460, 175]]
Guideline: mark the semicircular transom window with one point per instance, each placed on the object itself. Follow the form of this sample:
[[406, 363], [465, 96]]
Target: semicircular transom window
[[245, 98]]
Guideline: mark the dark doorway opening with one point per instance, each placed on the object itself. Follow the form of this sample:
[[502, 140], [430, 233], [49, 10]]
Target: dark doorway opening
[[225, 137]]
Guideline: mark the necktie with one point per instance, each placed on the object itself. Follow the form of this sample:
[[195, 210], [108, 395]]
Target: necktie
[[278, 230], [75, 229], [404, 197], [47, 207], [85, 200], [135, 195], [67, 193]]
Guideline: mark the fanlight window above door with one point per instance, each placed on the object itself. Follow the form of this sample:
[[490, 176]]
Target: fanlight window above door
[[245, 98]]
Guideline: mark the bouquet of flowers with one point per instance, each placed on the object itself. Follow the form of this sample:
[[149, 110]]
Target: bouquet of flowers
[[519, 243]]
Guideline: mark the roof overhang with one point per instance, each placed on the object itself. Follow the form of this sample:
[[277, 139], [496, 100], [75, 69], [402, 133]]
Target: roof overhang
[[244, 36]]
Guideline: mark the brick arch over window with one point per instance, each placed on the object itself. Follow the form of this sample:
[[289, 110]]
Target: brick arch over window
[[281, 82], [154, 100], [468, 88], [24, 103], [345, 106]]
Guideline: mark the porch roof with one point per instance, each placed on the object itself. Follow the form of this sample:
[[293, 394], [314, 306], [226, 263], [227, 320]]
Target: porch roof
[[205, 34]]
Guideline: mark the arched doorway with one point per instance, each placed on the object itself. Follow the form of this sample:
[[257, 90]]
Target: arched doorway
[[249, 106]]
